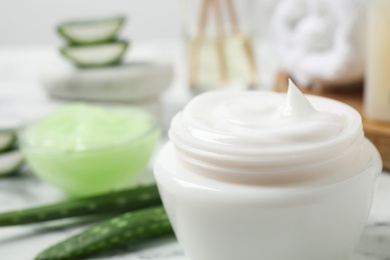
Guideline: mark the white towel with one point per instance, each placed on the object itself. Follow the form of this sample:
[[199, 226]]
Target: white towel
[[321, 42]]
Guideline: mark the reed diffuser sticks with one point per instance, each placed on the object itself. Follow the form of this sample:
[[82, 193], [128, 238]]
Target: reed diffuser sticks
[[215, 8], [246, 44], [194, 52], [220, 42]]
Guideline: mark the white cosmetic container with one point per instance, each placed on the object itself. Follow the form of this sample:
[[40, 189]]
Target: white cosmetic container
[[263, 175]]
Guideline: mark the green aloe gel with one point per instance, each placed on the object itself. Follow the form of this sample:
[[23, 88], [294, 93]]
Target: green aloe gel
[[87, 149]]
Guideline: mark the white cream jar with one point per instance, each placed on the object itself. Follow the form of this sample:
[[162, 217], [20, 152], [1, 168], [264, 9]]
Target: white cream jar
[[264, 175]]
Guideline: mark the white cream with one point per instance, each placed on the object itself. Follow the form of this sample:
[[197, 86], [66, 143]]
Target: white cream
[[259, 119], [234, 134], [262, 175]]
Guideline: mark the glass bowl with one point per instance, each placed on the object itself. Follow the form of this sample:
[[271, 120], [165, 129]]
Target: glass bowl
[[95, 170]]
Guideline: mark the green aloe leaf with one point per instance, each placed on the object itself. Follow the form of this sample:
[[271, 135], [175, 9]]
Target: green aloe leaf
[[91, 32]]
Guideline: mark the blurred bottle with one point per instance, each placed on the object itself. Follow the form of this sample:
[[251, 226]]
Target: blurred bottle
[[377, 88], [218, 37]]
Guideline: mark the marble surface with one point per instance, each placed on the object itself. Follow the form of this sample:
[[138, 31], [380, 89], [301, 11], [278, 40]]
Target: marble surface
[[23, 100]]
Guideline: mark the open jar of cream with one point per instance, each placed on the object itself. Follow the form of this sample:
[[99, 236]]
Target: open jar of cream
[[264, 175]]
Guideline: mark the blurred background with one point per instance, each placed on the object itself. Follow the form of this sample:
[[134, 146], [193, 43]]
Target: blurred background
[[156, 31], [33, 22]]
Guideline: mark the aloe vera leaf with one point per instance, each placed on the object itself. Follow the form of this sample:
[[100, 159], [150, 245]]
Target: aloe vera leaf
[[10, 162], [127, 229], [92, 31], [121, 201], [96, 55], [7, 139]]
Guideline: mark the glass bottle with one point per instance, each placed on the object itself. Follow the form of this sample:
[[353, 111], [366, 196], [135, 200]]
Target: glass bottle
[[219, 50]]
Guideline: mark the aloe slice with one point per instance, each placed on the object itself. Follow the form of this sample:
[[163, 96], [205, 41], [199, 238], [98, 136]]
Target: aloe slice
[[6, 141], [10, 162], [91, 32], [96, 55]]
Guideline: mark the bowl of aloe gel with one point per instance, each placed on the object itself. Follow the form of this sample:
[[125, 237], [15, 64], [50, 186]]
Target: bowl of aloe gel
[[87, 149]]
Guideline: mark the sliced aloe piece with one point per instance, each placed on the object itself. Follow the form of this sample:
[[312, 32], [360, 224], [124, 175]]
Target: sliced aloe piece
[[7, 139], [95, 55], [10, 162], [91, 32]]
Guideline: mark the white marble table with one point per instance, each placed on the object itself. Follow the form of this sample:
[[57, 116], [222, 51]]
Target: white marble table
[[22, 100]]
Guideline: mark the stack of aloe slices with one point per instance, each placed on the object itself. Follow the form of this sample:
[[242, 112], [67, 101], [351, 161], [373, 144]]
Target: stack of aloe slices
[[11, 158], [93, 43]]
